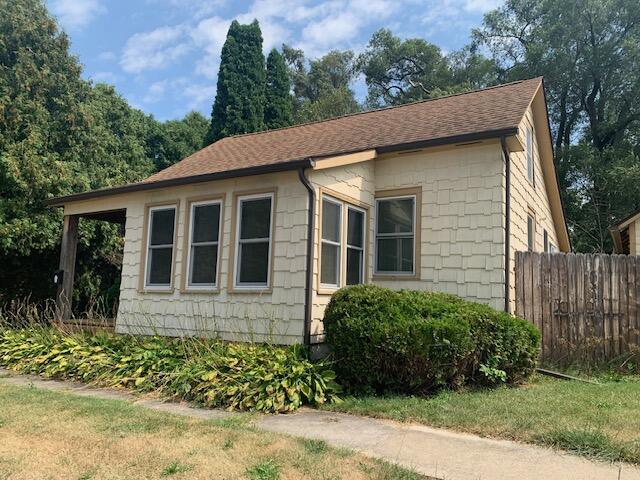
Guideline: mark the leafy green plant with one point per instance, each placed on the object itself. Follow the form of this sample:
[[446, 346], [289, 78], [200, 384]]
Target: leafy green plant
[[174, 468], [266, 470], [246, 377], [315, 446], [415, 342]]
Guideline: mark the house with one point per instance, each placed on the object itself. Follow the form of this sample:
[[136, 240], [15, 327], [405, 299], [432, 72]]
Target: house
[[249, 237], [626, 235]]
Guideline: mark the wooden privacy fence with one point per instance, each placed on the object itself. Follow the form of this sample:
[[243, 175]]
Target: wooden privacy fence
[[585, 305]]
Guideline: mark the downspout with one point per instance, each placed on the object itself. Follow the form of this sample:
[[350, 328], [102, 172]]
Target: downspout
[[507, 228], [308, 290]]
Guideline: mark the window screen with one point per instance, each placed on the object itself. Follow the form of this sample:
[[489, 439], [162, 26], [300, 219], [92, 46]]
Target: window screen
[[160, 246], [254, 241], [331, 242], [204, 244], [355, 246], [395, 236]]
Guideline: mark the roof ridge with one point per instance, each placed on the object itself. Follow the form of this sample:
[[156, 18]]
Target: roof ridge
[[389, 107]]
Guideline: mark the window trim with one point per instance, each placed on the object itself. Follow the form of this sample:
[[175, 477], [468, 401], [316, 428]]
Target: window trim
[[346, 202], [415, 192], [185, 287], [143, 287], [238, 197]]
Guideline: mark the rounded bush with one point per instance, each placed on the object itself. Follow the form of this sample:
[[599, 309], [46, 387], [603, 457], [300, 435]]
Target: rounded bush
[[415, 342]]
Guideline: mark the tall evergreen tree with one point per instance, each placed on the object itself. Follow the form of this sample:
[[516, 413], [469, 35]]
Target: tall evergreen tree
[[240, 97], [278, 110]]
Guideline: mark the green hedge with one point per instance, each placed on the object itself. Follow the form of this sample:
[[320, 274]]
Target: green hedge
[[216, 374], [414, 342]]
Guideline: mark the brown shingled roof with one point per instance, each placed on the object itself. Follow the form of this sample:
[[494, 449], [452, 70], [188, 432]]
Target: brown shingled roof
[[491, 109], [484, 113]]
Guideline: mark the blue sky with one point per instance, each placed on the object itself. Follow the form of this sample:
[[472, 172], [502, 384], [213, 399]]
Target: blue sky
[[163, 55]]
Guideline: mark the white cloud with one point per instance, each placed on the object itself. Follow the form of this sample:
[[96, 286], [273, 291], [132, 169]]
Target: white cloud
[[156, 91], [340, 23], [209, 35], [199, 8], [154, 49], [481, 6], [76, 14], [107, 56], [106, 77], [199, 96]]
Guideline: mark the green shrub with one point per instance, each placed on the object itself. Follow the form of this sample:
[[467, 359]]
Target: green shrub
[[216, 374], [414, 342]]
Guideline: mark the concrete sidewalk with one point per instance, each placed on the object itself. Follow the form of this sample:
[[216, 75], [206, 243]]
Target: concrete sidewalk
[[434, 452]]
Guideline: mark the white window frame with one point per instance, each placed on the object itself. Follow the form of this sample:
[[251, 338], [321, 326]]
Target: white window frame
[[340, 204], [531, 172], [149, 247], [191, 244], [354, 247], [395, 235], [238, 250]]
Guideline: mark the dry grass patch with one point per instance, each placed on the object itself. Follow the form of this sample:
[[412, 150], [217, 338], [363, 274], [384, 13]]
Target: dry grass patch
[[47, 434]]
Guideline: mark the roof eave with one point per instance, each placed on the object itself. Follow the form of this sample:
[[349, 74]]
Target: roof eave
[[272, 168], [435, 142], [174, 182]]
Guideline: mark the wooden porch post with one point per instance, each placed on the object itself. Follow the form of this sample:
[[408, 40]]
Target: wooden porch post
[[67, 266]]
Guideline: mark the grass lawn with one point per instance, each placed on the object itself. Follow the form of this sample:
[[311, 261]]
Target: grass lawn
[[47, 434], [599, 421]]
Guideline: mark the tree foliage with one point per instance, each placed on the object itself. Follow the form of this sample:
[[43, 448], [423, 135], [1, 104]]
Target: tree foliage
[[588, 52], [278, 111], [321, 87], [399, 71], [180, 138], [240, 96], [58, 135]]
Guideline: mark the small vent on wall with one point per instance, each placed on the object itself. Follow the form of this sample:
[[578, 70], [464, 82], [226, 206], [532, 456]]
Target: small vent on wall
[[468, 143]]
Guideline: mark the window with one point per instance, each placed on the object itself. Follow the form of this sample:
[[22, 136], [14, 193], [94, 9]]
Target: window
[[159, 262], [355, 246], [204, 238], [395, 235], [331, 247], [530, 169], [531, 230], [253, 244], [338, 246], [549, 247]]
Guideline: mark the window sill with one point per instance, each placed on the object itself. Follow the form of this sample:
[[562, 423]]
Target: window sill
[[395, 276], [156, 290], [327, 290], [251, 290], [191, 290]]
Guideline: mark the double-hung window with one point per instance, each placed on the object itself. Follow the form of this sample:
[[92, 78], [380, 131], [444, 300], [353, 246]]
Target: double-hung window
[[204, 244], [160, 242], [253, 241], [342, 244], [395, 235]]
